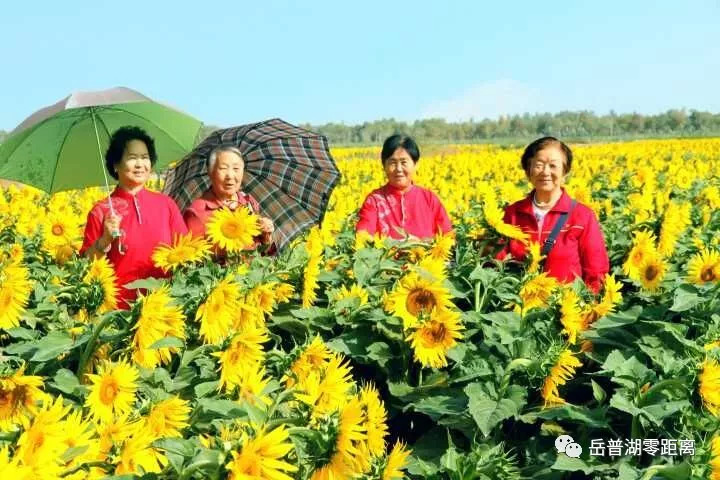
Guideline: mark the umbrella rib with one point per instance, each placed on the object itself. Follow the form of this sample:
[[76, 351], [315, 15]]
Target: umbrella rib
[[62, 145], [114, 107]]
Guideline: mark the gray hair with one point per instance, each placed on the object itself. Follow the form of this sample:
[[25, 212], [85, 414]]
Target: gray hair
[[217, 151]]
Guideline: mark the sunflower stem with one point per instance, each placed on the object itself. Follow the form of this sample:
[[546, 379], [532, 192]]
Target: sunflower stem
[[90, 347], [87, 466]]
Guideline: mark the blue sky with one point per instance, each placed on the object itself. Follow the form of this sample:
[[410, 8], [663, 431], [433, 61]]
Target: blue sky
[[233, 62]]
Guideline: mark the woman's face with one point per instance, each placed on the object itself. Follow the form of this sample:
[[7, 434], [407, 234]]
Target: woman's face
[[134, 167], [400, 169], [547, 169], [227, 175]]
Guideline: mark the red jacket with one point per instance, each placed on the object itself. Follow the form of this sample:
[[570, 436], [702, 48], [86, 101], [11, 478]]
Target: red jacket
[[579, 250], [418, 212], [148, 219]]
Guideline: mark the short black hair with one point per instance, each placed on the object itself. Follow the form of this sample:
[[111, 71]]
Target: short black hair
[[394, 142], [119, 141], [539, 144]]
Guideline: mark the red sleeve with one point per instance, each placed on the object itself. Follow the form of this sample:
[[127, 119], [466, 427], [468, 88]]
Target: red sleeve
[[177, 224], [367, 217], [593, 254], [93, 230], [442, 219], [194, 224], [253, 204]]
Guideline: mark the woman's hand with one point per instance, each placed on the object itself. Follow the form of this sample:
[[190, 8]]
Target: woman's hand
[[111, 230], [266, 228]]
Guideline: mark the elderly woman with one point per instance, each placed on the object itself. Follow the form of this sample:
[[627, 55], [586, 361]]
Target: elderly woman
[[128, 225], [400, 207], [568, 231], [225, 168]]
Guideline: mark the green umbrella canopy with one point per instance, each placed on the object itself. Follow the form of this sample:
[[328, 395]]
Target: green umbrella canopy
[[62, 147]]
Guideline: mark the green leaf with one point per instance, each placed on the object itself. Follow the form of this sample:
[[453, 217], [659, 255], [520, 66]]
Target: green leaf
[[51, 346], [596, 418], [381, 353], [680, 471], [620, 319], [66, 382], [183, 447], [205, 388], [149, 284], [686, 297], [436, 406], [23, 333], [167, 342], [569, 464], [223, 408], [488, 412]]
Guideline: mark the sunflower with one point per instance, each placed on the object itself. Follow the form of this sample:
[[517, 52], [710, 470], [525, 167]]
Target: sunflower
[[233, 231], [704, 267], [41, 444], [572, 320], [112, 391], [263, 297], [326, 390], [396, 462], [138, 456], [19, 396], [261, 457], [11, 467], [643, 247], [494, 216], [652, 272], [60, 229], [715, 458], [709, 386], [159, 318], [434, 337], [217, 312], [314, 242], [312, 359], [245, 348], [185, 250], [102, 273], [284, 292], [375, 420], [310, 281], [346, 455], [415, 297], [535, 257], [432, 267], [560, 373], [536, 292], [15, 289], [251, 383], [167, 418], [611, 297], [354, 292], [442, 246]]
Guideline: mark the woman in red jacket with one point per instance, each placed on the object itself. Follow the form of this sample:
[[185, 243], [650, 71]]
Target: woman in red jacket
[[579, 248], [401, 208]]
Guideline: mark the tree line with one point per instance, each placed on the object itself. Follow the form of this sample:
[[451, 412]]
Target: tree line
[[580, 125]]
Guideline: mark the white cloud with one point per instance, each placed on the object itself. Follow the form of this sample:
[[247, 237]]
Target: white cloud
[[488, 100]]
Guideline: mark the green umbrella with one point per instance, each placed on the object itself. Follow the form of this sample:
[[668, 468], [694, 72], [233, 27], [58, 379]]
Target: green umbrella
[[61, 147]]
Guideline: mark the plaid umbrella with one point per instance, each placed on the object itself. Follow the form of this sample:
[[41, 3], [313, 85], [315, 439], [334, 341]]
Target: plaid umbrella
[[288, 170]]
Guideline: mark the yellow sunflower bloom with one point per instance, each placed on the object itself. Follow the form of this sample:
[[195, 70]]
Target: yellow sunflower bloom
[[167, 418], [355, 291], [611, 297], [159, 318], [537, 291], [217, 313], [15, 289], [396, 462], [643, 247], [245, 349], [415, 297], [233, 231], [560, 373], [112, 391], [346, 455], [138, 456], [704, 267], [326, 390], [261, 457], [102, 272], [572, 320], [19, 398], [432, 338], [184, 251], [652, 272], [375, 420], [709, 386]]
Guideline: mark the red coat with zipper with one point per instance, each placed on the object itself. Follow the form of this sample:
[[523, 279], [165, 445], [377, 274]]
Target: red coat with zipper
[[579, 250]]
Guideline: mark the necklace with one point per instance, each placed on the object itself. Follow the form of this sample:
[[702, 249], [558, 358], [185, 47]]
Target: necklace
[[538, 204]]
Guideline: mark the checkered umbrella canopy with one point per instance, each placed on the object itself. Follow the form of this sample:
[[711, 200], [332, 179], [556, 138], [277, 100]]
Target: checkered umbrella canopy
[[288, 170]]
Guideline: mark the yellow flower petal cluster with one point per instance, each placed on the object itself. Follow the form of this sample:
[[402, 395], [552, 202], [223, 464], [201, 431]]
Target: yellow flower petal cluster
[[160, 318]]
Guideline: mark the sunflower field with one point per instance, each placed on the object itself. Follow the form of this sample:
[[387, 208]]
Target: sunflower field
[[364, 357]]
